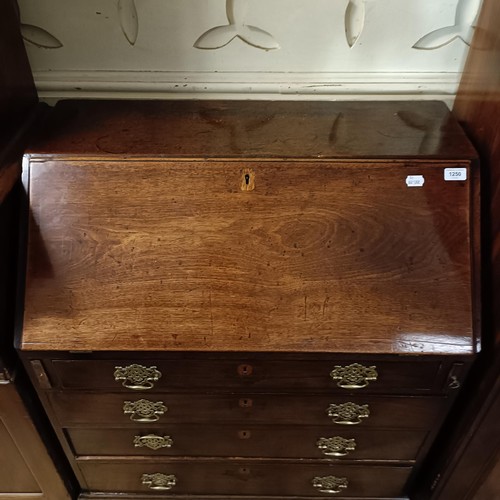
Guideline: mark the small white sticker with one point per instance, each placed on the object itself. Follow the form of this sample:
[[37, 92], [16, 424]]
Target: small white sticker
[[415, 181], [455, 174]]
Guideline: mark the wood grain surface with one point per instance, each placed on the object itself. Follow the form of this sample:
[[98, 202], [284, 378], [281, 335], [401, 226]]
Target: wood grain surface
[[253, 129], [80, 409], [272, 441], [408, 375], [242, 477], [319, 256]]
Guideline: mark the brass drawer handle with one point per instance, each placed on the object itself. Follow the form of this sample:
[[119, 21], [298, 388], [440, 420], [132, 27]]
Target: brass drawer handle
[[159, 481], [137, 377], [336, 446], [330, 484], [347, 413], [153, 442], [354, 376], [144, 410]]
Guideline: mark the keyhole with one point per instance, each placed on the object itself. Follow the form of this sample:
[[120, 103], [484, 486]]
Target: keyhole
[[246, 403], [247, 180], [244, 434], [245, 370]]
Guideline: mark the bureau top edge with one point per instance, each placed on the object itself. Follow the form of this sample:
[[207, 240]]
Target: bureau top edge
[[261, 130]]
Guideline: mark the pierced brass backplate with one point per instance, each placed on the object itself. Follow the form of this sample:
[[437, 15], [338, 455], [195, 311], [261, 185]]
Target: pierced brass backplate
[[354, 376], [137, 377], [348, 413], [330, 484], [144, 410], [336, 446], [159, 481], [153, 442]]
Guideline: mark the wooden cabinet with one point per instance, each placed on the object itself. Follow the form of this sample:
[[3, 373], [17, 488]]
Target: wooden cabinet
[[27, 467], [250, 300]]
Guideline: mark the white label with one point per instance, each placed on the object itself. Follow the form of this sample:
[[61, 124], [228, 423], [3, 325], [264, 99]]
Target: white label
[[455, 174], [415, 181]]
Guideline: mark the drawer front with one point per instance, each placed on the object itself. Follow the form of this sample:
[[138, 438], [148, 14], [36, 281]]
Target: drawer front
[[243, 478], [401, 376], [250, 441], [119, 409]]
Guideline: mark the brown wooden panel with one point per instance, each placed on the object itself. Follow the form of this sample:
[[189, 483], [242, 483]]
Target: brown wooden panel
[[15, 475], [490, 485], [107, 409], [273, 441], [336, 257], [254, 129], [25, 464], [247, 478], [403, 375]]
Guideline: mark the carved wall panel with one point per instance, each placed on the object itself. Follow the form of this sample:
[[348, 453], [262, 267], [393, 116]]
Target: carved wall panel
[[187, 48]]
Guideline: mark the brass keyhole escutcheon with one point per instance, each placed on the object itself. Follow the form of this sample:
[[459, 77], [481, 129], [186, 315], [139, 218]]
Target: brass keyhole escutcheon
[[245, 403], [244, 434], [245, 370], [247, 180]]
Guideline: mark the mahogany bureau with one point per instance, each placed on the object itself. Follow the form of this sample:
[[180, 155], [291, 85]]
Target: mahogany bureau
[[249, 300]]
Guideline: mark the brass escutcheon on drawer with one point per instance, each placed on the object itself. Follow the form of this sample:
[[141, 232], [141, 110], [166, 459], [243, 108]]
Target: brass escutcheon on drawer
[[159, 481], [330, 484], [336, 446], [144, 410], [347, 413], [137, 377], [354, 376], [153, 442]]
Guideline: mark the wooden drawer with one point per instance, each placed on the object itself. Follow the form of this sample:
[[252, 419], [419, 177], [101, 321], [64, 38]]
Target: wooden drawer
[[278, 441], [79, 408], [401, 375], [246, 478]]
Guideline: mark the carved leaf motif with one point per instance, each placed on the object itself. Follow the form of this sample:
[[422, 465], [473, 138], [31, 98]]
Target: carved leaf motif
[[354, 20], [216, 38], [39, 37], [129, 20], [465, 18], [258, 38], [438, 38], [236, 11]]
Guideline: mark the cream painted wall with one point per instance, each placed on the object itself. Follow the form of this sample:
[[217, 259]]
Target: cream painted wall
[[306, 49]]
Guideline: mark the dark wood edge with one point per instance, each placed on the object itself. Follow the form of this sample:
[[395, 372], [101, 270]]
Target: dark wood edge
[[57, 428], [107, 496], [22, 254], [476, 252], [10, 156]]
